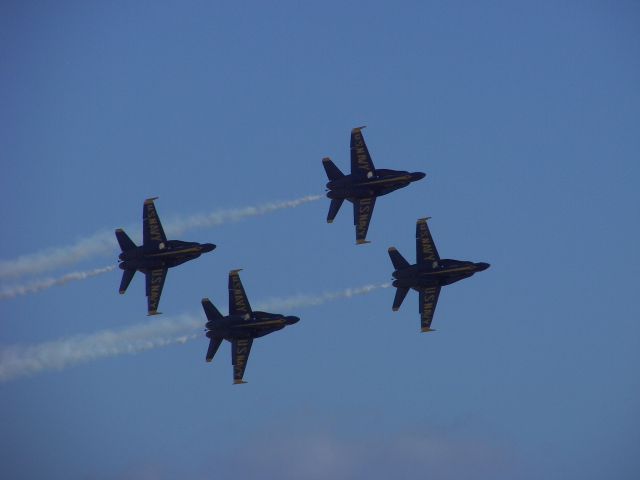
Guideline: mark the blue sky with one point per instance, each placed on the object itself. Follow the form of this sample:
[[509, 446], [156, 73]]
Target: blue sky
[[525, 118]]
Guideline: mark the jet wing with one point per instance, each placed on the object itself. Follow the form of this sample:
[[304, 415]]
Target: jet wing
[[362, 211], [240, 350], [152, 231], [428, 301], [361, 163], [238, 302], [155, 281], [426, 251]]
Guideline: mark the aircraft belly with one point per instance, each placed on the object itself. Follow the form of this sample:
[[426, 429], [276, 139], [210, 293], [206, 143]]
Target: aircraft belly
[[174, 262], [353, 193], [454, 278], [142, 264], [426, 283]]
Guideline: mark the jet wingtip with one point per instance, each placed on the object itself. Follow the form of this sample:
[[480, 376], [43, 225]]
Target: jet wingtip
[[205, 300], [395, 309], [424, 219], [357, 129], [326, 159], [150, 200], [208, 360], [122, 292], [329, 221], [392, 249], [231, 272]]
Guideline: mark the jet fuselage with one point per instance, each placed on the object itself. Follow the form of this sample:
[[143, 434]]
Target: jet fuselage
[[258, 324], [443, 272], [384, 181], [166, 255]]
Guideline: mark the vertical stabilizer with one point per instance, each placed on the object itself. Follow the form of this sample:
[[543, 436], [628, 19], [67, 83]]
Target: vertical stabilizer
[[125, 242], [398, 260], [210, 310], [333, 172]]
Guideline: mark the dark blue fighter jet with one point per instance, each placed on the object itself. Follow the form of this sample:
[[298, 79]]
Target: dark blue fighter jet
[[428, 275], [240, 327], [155, 256], [363, 185]]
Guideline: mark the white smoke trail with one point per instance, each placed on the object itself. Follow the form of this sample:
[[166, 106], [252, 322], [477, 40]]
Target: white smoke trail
[[313, 300], [51, 258], [17, 361], [178, 226], [13, 291], [104, 242]]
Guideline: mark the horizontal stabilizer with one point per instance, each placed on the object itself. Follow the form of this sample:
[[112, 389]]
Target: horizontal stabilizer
[[127, 276], [210, 310], [125, 242], [333, 172], [334, 208], [214, 344], [401, 293], [398, 260]]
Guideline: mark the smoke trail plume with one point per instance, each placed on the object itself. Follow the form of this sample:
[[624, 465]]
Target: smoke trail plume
[[17, 361], [39, 285], [51, 258], [219, 217], [313, 300], [104, 242]]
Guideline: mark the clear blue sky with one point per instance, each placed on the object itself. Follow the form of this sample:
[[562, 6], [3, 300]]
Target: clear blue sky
[[525, 117]]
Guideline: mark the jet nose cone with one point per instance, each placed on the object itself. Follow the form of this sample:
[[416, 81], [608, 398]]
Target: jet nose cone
[[291, 320], [207, 247], [418, 176], [482, 266]]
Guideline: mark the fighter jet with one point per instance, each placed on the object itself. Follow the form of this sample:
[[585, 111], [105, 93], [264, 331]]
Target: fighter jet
[[363, 185], [155, 256], [240, 327], [428, 275]]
